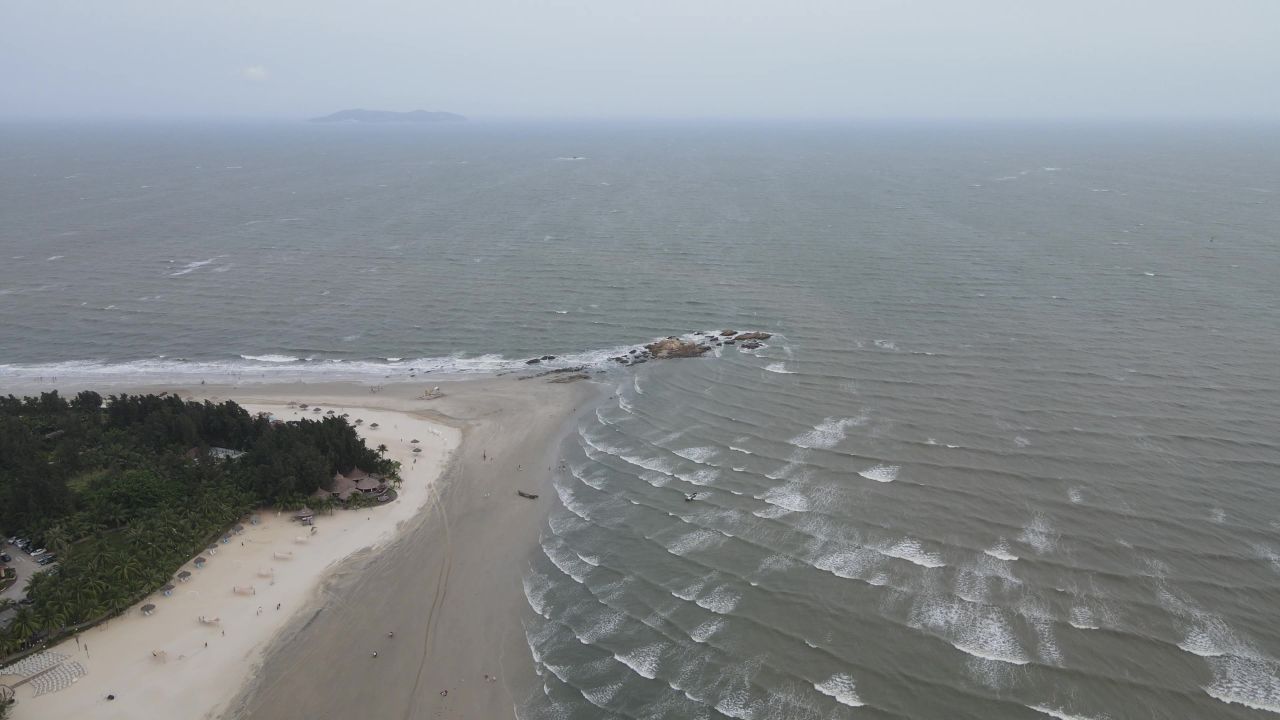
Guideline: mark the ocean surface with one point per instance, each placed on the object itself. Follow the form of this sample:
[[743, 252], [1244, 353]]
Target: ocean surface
[[1012, 451]]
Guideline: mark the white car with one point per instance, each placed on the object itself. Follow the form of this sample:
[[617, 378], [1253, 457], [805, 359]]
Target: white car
[[38, 553]]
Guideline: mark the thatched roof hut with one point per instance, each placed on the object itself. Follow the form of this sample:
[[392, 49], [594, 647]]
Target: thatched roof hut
[[148, 609]]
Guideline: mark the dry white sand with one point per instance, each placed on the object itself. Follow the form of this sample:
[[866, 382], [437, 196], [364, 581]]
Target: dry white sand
[[199, 668]]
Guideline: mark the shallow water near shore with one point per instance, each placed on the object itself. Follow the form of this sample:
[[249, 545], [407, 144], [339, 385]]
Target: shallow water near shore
[[1011, 451]]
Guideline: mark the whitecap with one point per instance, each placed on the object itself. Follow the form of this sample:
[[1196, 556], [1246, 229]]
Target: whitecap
[[978, 630], [697, 540], [828, 433], [1075, 495], [721, 600], [192, 267], [780, 368], [910, 550], [1001, 551], [885, 345], [644, 661], [841, 687], [696, 454], [738, 449], [270, 358], [1251, 682], [1039, 534], [703, 632], [881, 473], [1056, 713]]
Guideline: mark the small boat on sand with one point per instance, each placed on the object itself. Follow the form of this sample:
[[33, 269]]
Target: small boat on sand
[[523, 494]]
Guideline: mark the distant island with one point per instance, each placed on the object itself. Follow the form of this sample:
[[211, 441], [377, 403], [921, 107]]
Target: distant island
[[389, 116]]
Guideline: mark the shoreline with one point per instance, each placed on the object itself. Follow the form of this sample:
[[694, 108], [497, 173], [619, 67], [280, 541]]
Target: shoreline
[[444, 574]]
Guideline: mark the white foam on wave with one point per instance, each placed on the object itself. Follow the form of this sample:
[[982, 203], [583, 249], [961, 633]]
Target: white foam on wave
[[910, 550], [704, 631], [722, 600], [738, 449], [697, 454], [1081, 618], [780, 368], [841, 687], [601, 695], [1039, 534], [270, 358], [789, 497], [1251, 682], [1001, 551], [1021, 441], [700, 539], [850, 563], [881, 473], [1268, 553], [193, 266], [51, 258], [1075, 495], [690, 591], [978, 630], [1056, 713], [885, 344], [828, 433], [536, 587], [242, 370], [644, 661]]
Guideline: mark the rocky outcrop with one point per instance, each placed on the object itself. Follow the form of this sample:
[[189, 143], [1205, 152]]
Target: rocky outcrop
[[754, 336], [728, 333], [674, 347]]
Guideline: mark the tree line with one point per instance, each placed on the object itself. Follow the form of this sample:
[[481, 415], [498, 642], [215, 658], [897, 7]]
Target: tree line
[[124, 491]]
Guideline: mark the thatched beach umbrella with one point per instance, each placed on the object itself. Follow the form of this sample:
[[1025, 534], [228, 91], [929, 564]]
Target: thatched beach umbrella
[[200, 561], [167, 590], [148, 609], [373, 425], [415, 441], [238, 529], [184, 576]]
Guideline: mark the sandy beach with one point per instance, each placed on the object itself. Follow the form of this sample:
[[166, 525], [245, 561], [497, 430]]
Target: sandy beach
[[440, 567]]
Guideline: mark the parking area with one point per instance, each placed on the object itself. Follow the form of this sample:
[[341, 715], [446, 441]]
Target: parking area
[[25, 566]]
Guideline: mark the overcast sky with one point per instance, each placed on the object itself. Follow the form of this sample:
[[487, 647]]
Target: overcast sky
[[665, 58]]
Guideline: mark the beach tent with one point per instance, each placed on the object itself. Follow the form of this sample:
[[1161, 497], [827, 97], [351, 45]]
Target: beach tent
[[148, 609]]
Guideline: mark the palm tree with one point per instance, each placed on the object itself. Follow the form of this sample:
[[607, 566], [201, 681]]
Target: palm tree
[[382, 450], [57, 539], [24, 623]]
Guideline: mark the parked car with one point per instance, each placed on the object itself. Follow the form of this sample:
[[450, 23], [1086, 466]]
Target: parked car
[[23, 543], [4, 557], [50, 558], [38, 552]]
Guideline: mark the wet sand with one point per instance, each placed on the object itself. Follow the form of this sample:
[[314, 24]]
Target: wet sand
[[449, 587]]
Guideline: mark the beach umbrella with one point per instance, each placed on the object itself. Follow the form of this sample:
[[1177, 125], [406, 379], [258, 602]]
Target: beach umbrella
[[238, 528], [417, 450], [166, 589], [415, 441], [200, 561], [148, 609], [184, 576]]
